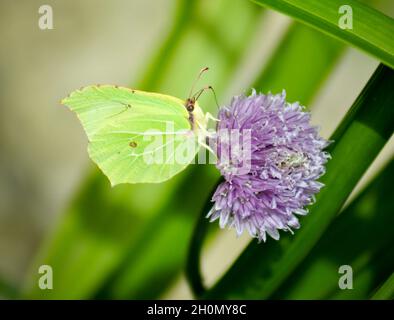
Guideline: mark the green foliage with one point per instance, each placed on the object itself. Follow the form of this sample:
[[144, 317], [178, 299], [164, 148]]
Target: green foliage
[[386, 291], [372, 31]]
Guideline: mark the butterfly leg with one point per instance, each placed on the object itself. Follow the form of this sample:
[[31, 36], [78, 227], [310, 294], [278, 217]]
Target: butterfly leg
[[206, 133], [209, 116], [202, 143], [201, 138]]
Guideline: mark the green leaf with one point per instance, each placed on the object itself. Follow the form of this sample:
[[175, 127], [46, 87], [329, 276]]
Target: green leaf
[[386, 291], [372, 30], [345, 243], [262, 268], [193, 272]]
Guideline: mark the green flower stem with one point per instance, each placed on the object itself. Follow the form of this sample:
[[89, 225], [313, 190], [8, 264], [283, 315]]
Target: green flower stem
[[193, 272]]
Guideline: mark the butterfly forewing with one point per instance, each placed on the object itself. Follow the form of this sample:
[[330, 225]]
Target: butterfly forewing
[[96, 105]]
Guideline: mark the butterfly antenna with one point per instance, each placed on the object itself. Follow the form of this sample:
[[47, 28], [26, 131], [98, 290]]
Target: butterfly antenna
[[198, 94], [214, 95], [196, 80]]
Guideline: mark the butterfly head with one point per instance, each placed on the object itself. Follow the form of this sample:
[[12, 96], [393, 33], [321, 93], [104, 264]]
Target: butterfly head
[[197, 119], [189, 104]]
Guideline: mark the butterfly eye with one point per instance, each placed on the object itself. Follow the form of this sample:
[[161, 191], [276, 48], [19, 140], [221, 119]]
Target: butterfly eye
[[189, 104]]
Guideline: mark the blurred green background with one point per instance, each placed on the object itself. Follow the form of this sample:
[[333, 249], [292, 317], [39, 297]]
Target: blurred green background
[[130, 242]]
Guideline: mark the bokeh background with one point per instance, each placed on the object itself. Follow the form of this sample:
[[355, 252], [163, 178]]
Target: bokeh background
[[56, 207]]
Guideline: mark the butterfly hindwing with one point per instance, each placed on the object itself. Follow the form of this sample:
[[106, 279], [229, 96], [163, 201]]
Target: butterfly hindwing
[[141, 150]]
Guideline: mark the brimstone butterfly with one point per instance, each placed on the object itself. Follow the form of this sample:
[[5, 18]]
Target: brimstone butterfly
[[137, 136]]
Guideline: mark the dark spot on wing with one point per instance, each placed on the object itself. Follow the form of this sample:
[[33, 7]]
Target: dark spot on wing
[[133, 144]]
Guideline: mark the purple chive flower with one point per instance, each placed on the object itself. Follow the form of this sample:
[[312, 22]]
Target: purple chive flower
[[271, 171]]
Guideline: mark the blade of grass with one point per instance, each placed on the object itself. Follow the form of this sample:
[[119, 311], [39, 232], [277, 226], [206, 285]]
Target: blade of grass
[[262, 268], [369, 214], [372, 31]]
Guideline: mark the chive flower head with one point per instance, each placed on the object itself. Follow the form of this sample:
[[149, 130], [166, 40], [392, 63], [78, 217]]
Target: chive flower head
[[270, 157]]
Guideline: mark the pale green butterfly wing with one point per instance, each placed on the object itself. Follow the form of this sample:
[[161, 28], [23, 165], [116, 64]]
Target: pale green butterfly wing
[[126, 151], [95, 105], [136, 136]]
